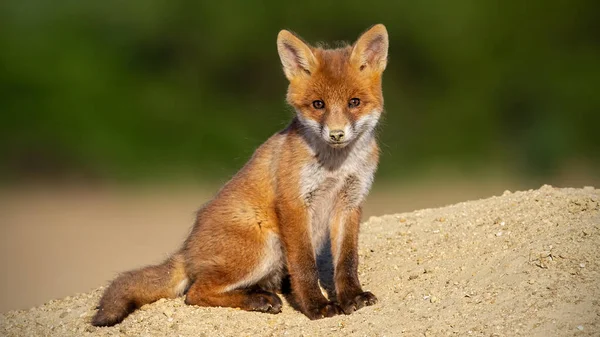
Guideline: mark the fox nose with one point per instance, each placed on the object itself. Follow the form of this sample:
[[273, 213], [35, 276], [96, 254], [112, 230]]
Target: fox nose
[[336, 135]]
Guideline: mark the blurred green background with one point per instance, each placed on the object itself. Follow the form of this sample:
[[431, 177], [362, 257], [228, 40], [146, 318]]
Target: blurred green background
[[149, 90]]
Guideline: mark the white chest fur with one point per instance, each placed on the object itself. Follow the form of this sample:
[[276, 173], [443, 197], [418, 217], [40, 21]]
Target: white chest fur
[[336, 182]]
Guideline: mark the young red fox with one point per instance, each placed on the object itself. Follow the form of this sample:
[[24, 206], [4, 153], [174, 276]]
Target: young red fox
[[303, 186]]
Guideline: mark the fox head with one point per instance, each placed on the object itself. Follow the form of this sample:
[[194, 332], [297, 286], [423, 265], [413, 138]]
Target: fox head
[[336, 92]]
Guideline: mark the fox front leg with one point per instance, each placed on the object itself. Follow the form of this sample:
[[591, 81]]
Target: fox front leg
[[344, 245], [302, 265]]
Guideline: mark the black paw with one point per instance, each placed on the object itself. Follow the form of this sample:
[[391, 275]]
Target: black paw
[[267, 302], [329, 309], [350, 305]]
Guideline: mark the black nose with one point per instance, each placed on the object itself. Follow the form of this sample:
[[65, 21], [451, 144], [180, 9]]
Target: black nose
[[336, 135]]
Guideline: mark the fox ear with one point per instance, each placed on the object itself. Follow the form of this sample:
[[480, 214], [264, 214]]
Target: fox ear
[[296, 56], [371, 49]]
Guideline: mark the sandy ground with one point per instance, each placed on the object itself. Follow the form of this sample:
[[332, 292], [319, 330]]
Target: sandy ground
[[520, 264], [44, 229]]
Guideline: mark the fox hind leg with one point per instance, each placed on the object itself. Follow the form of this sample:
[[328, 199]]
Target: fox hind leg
[[250, 299], [237, 280]]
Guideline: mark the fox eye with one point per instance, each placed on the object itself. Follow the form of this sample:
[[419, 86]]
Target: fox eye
[[318, 104], [354, 102]]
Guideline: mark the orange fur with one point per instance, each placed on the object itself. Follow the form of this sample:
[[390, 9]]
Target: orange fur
[[302, 187]]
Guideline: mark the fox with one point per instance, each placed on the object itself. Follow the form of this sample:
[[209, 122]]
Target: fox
[[300, 190]]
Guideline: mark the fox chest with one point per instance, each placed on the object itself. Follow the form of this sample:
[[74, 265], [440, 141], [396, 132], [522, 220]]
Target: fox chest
[[328, 195]]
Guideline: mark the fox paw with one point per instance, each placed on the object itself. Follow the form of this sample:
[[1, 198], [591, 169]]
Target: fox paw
[[268, 303], [330, 309], [350, 305]]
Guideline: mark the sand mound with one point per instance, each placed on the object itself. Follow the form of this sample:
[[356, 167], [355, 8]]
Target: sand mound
[[521, 264]]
